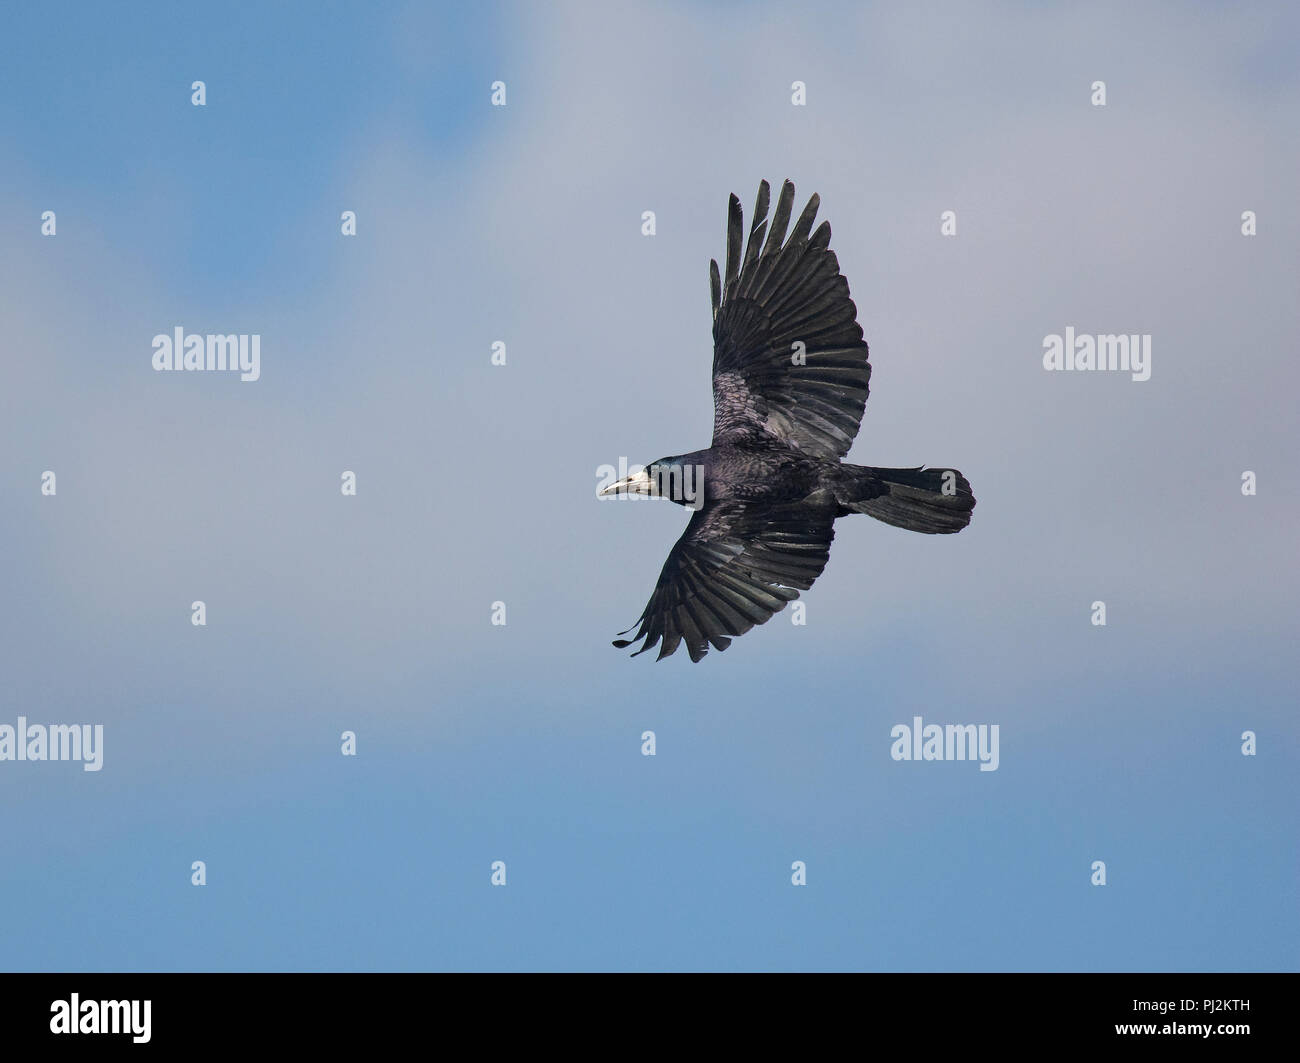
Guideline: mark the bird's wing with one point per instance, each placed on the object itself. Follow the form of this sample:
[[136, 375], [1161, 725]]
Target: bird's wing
[[790, 292], [736, 565]]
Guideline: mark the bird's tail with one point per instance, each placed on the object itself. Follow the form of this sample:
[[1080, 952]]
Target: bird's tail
[[934, 501]]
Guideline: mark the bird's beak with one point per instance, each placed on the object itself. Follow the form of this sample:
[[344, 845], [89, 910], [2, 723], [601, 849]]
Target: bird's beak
[[639, 483]]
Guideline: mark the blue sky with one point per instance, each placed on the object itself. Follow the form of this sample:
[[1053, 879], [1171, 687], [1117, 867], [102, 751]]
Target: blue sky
[[475, 484]]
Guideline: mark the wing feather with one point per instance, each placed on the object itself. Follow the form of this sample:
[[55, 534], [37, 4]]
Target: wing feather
[[736, 566], [790, 292]]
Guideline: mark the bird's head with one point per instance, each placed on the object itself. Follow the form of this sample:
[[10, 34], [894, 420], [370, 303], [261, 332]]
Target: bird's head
[[674, 478]]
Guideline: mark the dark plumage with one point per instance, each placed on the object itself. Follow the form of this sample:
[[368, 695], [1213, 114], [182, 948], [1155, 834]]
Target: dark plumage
[[768, 491]]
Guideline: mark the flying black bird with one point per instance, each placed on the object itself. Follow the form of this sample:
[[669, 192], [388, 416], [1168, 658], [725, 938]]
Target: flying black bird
[[790, 376]]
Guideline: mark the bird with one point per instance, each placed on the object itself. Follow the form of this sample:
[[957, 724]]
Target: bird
[[790, 383]]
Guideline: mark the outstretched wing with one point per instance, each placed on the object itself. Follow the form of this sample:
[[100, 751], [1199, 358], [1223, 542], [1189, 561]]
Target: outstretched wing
[[736, 565], [788, 293]]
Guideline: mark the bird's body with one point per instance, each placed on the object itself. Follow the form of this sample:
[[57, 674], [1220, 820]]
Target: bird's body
[[790, 381], [760, 472], [766, 471]]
